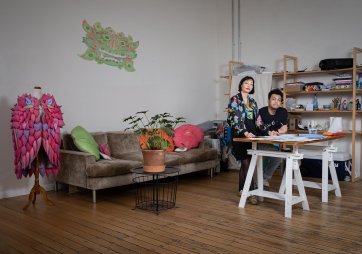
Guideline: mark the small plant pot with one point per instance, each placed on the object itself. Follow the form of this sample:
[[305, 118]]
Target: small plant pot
[[153, 161]]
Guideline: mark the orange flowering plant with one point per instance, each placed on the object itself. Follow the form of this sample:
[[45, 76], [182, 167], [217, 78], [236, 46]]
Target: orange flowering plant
[[156, 132]]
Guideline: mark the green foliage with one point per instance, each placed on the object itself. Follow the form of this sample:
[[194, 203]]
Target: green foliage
[[157, 143], [141, 124]]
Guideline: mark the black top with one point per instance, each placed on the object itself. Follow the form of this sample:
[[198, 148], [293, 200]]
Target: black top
[[250, 126], [267, 122]]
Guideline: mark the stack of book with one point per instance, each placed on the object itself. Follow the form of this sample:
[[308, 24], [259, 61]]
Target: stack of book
[[343, 83]]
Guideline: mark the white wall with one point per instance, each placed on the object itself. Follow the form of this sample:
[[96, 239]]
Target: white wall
[[310, 29], [224, 55], [176, 67]]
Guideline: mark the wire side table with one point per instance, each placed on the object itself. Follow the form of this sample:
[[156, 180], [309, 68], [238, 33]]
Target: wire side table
[[156, 191]]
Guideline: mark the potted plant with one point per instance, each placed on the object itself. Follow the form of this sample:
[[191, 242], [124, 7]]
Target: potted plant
[[156, 134]]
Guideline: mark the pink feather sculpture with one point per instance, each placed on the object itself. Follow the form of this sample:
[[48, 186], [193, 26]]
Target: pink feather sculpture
[[35, 128]]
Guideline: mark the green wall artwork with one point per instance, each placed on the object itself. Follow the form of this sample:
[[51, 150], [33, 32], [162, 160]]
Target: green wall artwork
[[105, 46]]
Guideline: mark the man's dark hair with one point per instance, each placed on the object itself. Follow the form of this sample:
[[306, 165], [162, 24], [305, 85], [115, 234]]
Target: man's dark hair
[[276, 91]]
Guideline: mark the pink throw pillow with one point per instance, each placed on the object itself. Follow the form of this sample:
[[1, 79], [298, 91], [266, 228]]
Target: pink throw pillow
[[188, 136], [103, 148]]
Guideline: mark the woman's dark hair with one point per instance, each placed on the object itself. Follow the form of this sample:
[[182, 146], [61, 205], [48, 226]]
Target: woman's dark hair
[[276, 91], [244, 79]]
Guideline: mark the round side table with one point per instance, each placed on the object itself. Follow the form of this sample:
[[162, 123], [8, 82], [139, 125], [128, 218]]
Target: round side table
[[155, 191]]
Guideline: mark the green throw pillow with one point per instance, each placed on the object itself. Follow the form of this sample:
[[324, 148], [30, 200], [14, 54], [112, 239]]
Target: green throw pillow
[[84, 141]]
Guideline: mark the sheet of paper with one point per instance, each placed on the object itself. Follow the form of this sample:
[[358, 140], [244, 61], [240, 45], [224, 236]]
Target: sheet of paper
[[288, 137]]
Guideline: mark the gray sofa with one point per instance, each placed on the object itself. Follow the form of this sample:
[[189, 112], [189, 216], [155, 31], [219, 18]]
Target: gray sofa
[[82, 170]]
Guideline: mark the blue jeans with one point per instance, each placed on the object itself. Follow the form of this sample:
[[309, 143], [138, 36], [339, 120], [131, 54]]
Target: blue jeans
[[270, 164]]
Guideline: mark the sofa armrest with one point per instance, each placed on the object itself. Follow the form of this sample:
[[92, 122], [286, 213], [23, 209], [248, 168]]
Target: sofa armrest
[[204, 144], [70, 154], [73, 166]]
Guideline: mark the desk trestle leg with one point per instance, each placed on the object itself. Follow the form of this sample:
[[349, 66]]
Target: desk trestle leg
[[299, 180], [249, 177], [292, 168], [328, 163], [286, 192]]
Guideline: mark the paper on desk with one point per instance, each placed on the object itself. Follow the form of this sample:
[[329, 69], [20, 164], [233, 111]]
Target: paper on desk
[[312, 136], [286, 137]]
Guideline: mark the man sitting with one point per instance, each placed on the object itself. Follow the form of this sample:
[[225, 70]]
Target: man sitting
[[271, 121]]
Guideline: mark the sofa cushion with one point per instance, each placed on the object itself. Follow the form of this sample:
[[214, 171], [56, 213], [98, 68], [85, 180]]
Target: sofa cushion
[[100, 137], [133, 156], [84, 141], [68, 143], [198, 155], [113, 167], [123, 142], [172, 159]]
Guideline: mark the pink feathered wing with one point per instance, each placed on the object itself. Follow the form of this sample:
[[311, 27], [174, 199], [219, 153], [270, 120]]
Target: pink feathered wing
[[26, 134], [52, 120], [188, 136]]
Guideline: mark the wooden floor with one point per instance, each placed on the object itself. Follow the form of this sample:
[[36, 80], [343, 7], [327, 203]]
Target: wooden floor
[[207, 220]]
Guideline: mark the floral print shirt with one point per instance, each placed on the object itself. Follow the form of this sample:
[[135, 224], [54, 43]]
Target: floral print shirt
[[240, 117]]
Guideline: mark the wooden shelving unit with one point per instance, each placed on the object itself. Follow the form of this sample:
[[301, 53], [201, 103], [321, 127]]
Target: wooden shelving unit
[[294, 74], [321, 92], [317, 72], [230, 74], [320, 111]]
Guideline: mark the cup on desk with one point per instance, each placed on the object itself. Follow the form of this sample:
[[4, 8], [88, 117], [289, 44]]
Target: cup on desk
[[312, 127], [312, 130]]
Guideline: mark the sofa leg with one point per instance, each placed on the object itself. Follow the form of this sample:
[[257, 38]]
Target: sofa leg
[[211, 172], [56, 186], [94, 196]]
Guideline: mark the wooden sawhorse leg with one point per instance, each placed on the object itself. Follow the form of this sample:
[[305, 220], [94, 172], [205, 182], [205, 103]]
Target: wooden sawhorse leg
[[249, 177], [292, 168], [328, 163]]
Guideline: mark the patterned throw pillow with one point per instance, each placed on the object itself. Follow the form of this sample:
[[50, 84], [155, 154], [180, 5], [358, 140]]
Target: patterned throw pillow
[[105, 151], [104, 148]]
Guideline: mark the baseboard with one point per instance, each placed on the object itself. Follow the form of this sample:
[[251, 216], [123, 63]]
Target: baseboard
[[23, 191]]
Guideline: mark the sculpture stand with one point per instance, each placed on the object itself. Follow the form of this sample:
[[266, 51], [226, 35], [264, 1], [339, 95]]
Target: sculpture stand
[[37, 189]]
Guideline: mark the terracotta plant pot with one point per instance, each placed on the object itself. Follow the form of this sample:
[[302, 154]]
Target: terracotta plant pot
[[153, 161]]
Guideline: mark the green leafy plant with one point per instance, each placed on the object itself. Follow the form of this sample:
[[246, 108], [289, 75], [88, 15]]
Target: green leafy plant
[[155, 130]]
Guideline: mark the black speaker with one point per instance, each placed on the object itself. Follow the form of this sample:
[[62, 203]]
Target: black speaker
[[336, 63]]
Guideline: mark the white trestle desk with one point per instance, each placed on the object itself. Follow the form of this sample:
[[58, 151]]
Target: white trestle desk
[[292, 175]]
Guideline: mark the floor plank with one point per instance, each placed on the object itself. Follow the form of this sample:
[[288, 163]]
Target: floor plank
[[206, 220]]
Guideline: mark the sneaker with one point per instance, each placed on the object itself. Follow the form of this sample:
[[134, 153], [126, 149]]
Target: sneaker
[[253, 200]]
